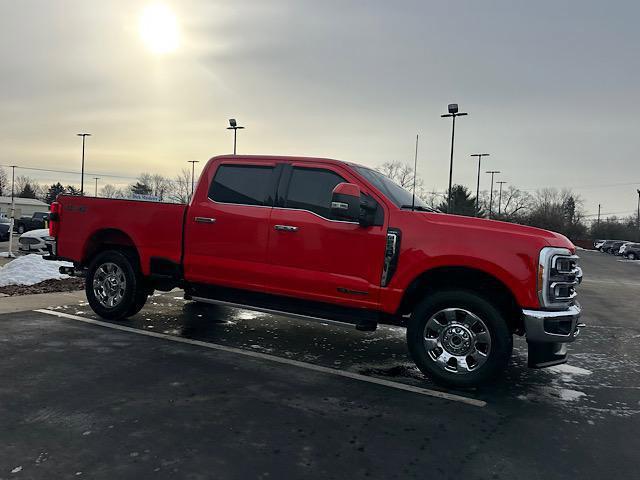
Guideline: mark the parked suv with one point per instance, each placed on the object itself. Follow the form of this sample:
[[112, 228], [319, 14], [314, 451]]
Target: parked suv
[[632, 251], [322, 239], [34, 222]]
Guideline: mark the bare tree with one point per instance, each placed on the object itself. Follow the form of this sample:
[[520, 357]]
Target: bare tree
[[109, 191], [181, 187], [5, 187], [402, 174]]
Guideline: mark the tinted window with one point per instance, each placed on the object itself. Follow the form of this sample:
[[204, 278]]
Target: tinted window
[[311, 189], [243, 184]]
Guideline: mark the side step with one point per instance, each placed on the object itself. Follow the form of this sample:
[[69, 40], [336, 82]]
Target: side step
[[366, 326]]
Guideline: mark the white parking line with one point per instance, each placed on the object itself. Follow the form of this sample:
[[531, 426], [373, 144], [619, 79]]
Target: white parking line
[[272, 358]]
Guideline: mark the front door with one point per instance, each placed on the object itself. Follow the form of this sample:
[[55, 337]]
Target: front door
[[314, 256]]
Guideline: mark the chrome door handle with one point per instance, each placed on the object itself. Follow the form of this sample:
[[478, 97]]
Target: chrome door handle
[[204, 220], [286, 228]]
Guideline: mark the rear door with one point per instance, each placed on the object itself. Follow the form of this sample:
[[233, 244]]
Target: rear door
[[227, 230], [314, 256]]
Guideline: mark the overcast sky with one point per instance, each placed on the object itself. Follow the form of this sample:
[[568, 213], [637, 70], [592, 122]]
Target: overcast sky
[[551, 87]]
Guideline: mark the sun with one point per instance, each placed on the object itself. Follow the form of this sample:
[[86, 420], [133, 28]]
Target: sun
[[159, 29]]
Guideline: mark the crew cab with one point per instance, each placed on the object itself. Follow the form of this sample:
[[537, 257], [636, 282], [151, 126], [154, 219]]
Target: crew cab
[[315, 238], [36, 221]]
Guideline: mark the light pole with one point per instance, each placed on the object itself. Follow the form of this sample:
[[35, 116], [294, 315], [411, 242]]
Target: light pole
[[479, 155], [13, 210], [500, 198], [453, 112], [96, 179], [492, 172], [83, 135], [638, 219], [193, 172], [233, 125]]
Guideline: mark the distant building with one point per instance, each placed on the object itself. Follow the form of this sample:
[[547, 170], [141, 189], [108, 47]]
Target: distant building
[[24, 206]]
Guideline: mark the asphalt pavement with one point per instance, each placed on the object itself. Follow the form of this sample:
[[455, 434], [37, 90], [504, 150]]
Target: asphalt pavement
[[193, 391]]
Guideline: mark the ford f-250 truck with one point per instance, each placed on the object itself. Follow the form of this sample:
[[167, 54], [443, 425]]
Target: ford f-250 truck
[[331, 240]]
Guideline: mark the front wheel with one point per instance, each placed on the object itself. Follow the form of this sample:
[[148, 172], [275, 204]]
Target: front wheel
[[459, 338], [632, 256], [113, 285], [21, 229]]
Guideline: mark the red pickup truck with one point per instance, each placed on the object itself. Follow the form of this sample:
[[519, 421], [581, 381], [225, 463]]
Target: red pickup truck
[[326, 239]]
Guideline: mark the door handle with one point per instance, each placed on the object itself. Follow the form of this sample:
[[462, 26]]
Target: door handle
[[286, 228], [204, 220]]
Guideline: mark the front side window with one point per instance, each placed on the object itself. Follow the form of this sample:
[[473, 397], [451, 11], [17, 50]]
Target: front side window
[[241, 184], [390, 189], [311, 189]]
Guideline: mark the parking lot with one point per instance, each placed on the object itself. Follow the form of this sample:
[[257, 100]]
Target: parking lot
[[192, 391]]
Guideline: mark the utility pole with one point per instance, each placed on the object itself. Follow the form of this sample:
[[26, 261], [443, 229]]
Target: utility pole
[[453, 112], [193, 172], [479, 155], [233, 125], [96, 179], [415, 173], [598, 222], [83, 135], [492, 172], [500, 198], [13, 211]]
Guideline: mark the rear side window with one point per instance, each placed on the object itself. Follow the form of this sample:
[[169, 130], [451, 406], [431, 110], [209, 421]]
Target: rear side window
[[241, 184], [311, 189]]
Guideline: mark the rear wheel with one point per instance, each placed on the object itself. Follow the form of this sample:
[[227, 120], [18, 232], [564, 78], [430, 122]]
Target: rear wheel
[[459, 338], [113, 286], [632, 256], [21, 229]]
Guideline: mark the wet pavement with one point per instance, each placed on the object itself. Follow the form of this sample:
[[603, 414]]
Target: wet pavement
[[210, 414]]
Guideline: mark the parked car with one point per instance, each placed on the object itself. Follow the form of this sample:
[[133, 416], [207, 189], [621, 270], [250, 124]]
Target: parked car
[[321, 240], [25, 224], [613, 247], [5, 224], [34, 240], [632, 251], [598, 243]]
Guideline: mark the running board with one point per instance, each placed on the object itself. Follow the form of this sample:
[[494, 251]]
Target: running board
[[361, 326]]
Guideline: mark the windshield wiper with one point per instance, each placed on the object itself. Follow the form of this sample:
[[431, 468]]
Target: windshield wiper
[[419, 208]]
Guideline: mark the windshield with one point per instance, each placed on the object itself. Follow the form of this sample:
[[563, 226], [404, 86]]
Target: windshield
[[390, 189]]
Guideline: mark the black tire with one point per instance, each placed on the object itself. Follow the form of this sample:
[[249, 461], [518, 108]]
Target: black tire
[[21, 229], [493, 322], [631, 256], [132, 291]]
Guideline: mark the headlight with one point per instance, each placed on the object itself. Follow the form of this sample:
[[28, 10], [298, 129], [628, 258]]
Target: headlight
[[558, 277]]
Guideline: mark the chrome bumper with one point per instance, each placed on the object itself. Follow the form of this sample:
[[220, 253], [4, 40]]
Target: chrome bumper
[[552, 326]]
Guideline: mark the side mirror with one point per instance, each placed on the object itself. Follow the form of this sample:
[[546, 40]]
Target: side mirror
[[345, 202]]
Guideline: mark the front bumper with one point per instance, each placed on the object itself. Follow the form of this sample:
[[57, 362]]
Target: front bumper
[[548, 333]]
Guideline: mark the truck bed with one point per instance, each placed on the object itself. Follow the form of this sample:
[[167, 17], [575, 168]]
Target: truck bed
[[155, 229]]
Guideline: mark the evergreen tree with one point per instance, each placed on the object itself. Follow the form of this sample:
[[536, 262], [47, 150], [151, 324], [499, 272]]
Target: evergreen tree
[[462, 202], [141, 189], [53, 192], [27, 191]]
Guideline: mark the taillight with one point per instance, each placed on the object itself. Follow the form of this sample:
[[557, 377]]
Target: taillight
[[54, 219]]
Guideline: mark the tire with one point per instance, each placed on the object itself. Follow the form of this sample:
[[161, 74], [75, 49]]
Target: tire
[[632, 256], [113, 286], [21, 229], [475, 333], [138, 303]]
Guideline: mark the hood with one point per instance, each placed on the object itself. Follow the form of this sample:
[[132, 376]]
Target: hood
[[552, 239], [39, 233]]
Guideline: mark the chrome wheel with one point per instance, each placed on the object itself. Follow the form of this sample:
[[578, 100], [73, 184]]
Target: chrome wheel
[[109, 285], [457, 340]]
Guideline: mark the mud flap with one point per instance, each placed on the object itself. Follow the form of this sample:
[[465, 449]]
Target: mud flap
[[543, 354]]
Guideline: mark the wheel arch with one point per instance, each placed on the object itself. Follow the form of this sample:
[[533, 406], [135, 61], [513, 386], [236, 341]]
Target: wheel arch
[[465, 278], [110, 239]]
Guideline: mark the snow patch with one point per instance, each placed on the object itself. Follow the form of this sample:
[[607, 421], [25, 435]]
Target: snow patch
[[570, 395], [31, 269], [569, 369]]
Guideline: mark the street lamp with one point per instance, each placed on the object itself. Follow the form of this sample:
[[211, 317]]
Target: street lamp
[[453, 113], [83, 135], [492, 172], [96, 179], [500, 198], [233, 125], [479, 155], [193, 171]]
